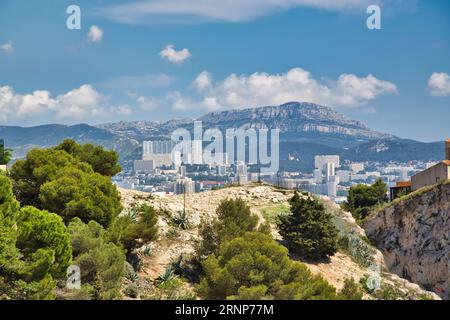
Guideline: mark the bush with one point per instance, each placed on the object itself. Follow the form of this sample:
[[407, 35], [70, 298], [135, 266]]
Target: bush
[[362, 198], [234, 219], [102, 263], [131, 290], [351, 290], [255, 266], [78, 194], [34, 249], [309, 230], [53, 180], [132, 234], [181, 219], [102, 161]]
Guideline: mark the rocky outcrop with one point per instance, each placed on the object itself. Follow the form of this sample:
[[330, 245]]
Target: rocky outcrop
[[413, 234]]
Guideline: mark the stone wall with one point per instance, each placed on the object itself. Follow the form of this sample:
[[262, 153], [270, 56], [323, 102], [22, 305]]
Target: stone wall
[[414, 237]]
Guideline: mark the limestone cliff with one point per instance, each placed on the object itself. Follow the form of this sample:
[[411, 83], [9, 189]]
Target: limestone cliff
[[413, 233]]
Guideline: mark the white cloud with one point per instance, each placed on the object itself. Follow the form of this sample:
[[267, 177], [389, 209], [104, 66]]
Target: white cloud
[[203, 81], [173, 56], [259, 89], [7, 47], [95, 34], [439, 84], [213, 10], [83, 103]]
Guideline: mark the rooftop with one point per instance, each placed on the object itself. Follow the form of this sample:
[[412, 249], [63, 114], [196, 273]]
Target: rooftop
[[403, 184]]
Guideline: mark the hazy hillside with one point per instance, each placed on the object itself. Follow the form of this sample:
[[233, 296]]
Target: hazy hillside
[[306, 129]]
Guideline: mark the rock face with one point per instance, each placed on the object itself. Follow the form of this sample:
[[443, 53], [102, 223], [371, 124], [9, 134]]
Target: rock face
[[414, 237]]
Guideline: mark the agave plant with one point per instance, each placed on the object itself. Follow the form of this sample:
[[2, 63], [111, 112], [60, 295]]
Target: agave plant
[[176, 265], [181, 219], [167, 275]]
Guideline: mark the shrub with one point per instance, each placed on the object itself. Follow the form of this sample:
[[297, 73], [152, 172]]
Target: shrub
[[351, 290], [102, 161], [255, 266], [131, 290], [34, 249], [132, 234], [53, 180], [181, 219], [102, 263], [309, 230], [362, 198], [234, 219]]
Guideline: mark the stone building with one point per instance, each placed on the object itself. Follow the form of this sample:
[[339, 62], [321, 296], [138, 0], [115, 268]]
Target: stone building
[[434, 174]]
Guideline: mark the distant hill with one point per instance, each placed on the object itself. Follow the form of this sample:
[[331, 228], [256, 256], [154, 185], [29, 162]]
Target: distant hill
[[306, 129]]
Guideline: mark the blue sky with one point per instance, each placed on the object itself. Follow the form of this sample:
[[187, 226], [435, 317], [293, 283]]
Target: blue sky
[[156, 60]]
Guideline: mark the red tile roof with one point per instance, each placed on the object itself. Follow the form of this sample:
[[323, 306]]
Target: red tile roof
[[402, 184], [447, 162]]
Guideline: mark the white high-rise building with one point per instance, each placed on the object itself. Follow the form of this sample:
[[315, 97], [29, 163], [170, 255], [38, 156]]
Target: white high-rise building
[[328, 169], [320, 161], [318, 177], [182, 171], [197, 152], [185, 185]]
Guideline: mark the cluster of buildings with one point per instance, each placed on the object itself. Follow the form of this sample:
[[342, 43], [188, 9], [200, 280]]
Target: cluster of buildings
[[432, 174], [162, 171]]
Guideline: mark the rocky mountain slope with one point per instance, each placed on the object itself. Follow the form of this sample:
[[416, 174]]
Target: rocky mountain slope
[[306, 129], [267, 202], [413, 233]]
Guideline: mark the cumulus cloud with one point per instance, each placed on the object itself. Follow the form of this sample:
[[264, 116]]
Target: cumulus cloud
[[203, 81], [83, 103], [7, 47], [213, 10], [95, 34], [258, 89], [439, 84], [173, 56]]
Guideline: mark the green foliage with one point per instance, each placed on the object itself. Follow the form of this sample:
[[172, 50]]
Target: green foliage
[[102, 161], [34, 249], [131, 290], [309, 230], [44, 243], [358, 248], [134, 233], [39, 167], [362, 198], [53, 180], [257, 267], [233, 220], [173, 289], [351, 290], [181, 219], [5, 155], [168, 274], [77, 194], [272, 213], [102, 263]]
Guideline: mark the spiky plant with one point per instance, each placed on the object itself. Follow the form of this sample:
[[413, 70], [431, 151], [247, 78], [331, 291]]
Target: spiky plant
[[166, 276], [181, 219]]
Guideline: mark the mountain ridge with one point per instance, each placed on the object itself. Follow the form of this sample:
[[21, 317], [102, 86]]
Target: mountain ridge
[[306, 129]]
